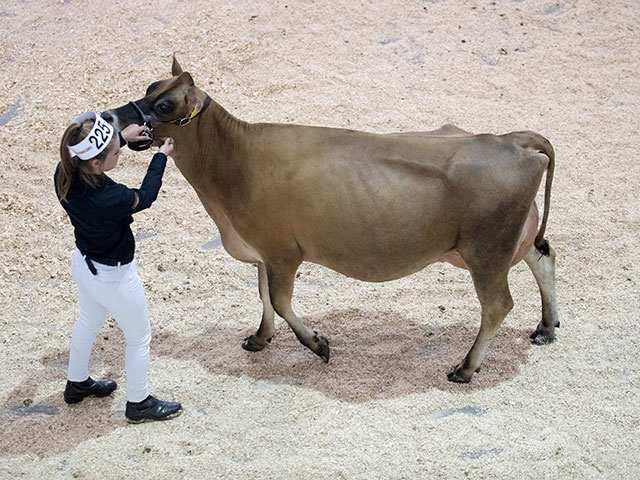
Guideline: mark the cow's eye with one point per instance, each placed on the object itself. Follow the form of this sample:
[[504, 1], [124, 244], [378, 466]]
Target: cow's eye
[[164, 108]]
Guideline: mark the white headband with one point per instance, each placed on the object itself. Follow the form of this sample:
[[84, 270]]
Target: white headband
[[97, 140]]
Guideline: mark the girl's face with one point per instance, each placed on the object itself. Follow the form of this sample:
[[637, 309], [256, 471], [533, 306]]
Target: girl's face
[[110, 160], [113, 155]]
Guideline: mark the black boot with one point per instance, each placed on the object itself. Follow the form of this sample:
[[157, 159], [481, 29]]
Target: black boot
[[76, 391], [151, 409]]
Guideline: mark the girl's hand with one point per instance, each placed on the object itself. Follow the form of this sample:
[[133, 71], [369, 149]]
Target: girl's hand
[[133, 133], [167, 147]]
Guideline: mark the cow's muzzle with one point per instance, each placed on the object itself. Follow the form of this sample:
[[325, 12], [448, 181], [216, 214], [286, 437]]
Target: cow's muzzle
[[145, 121]]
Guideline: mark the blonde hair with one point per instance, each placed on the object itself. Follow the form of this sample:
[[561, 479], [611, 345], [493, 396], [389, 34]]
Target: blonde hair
[[73, 169]]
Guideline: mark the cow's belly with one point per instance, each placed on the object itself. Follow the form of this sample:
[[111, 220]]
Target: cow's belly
[[378, 255], [372, 269], [378, 244], [389, 255]]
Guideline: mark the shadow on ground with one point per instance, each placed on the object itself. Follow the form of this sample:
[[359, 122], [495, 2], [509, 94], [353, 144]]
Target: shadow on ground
[[373, 356]]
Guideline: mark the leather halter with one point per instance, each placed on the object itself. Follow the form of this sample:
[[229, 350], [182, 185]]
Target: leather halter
[[149, 121]]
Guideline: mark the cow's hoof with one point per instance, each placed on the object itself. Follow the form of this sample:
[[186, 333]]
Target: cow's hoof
[[322, 347], [250, 344], [542, 336], [538, 338], [456, 375]]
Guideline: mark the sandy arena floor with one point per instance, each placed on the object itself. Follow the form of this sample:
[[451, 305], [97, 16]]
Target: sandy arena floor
[[382, 408]]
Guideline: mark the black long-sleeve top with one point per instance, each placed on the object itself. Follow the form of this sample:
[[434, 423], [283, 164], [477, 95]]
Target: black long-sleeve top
[[102, 216]]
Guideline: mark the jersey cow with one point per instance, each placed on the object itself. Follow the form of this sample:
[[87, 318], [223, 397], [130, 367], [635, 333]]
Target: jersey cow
[[372, 207]]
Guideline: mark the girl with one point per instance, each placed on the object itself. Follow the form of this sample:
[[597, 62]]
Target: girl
[[103, 264]]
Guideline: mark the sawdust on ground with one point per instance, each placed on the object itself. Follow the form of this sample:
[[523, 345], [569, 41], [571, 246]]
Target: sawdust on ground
[[382, 407]]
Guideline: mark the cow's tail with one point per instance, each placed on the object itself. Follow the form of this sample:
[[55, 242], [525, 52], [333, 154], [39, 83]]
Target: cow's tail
[[543, 146]]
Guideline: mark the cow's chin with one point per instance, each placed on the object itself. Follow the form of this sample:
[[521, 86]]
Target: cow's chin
[[143, 144], [140, 145]]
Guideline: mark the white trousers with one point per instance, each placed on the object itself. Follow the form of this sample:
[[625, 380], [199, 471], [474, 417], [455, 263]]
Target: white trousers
[[117, 290]]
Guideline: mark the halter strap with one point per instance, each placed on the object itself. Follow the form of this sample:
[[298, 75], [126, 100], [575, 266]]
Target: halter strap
[[144, 118], [181, 122]]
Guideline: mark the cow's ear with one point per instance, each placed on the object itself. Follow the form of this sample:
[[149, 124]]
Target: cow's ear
[[185, 79], [176, 69]]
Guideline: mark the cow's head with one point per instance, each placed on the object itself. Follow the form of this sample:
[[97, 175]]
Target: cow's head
[[167, 103]]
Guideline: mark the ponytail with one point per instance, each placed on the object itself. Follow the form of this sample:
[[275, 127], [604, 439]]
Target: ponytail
[[71, 167]]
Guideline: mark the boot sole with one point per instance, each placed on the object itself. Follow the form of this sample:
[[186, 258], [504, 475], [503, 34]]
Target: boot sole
[[73, 400], [145, 420]]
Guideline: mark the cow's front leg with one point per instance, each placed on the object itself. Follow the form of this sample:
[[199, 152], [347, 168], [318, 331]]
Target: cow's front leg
[[542, 264], [496, 303], [264, 334], [281, 275]]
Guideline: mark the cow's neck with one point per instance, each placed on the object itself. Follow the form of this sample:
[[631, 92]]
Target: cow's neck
[[208, 151]]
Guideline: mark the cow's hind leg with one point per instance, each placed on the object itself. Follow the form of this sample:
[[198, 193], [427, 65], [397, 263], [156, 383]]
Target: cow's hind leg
[[542, 264], [495, 299], [281, 277], [264, 334]]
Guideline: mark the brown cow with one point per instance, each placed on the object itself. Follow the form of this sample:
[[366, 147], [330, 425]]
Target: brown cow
[[372, 207]]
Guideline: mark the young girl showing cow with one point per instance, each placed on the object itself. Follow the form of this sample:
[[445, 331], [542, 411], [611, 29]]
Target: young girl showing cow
[[103, 264]]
